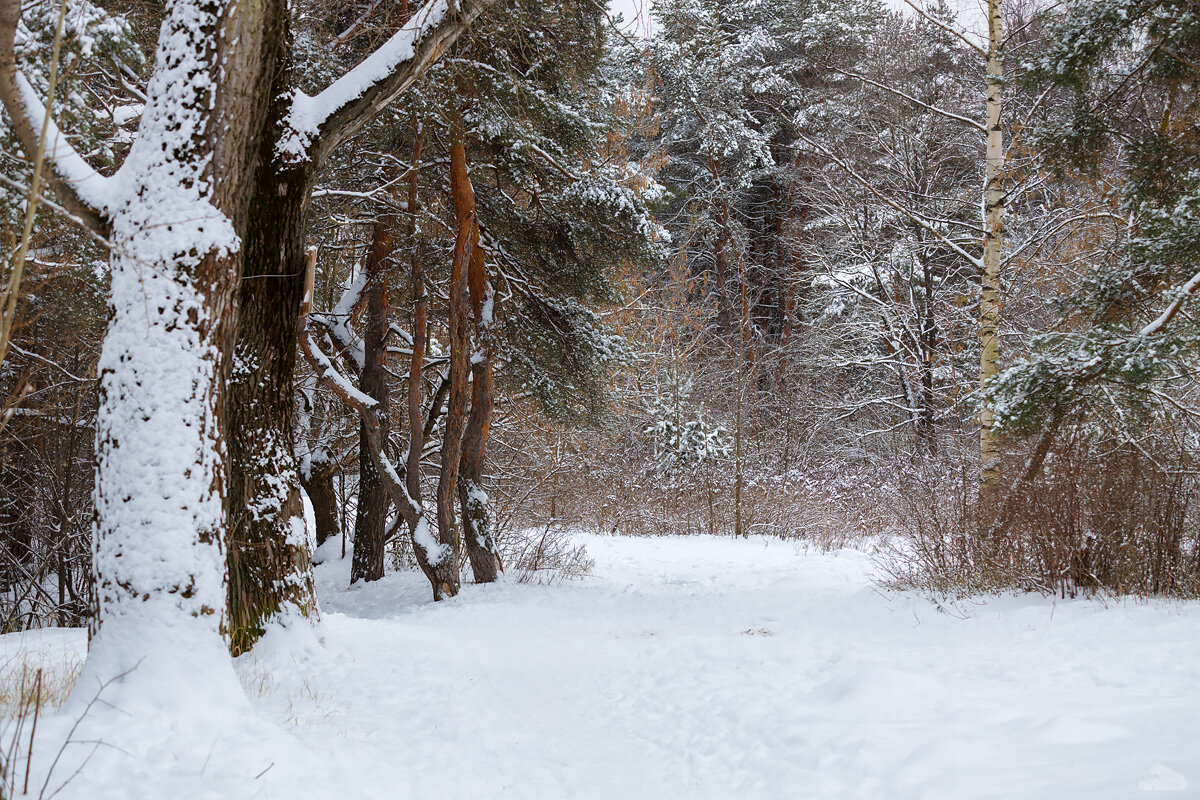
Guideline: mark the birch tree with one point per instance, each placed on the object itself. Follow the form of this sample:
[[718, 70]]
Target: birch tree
[[990, 262], [993, 247]]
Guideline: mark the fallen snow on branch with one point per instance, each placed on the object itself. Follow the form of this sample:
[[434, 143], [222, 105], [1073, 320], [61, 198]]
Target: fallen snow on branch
[[309, 114]]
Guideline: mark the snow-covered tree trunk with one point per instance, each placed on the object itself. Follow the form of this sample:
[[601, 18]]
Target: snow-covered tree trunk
[[172, 214], [159, 558], [990, 300]]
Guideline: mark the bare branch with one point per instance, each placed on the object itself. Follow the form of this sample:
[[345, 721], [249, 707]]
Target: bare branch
[[366, 407], [941, 237], [955, 32], [947, 114]]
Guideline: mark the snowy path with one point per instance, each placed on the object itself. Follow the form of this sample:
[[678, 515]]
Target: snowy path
[[703, 668]]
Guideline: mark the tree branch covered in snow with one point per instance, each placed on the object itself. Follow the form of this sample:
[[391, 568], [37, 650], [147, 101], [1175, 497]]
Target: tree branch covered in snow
[[80, 189], [318, 124]]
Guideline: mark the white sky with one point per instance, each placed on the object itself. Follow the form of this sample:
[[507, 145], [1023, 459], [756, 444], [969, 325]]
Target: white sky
[[637, 13]]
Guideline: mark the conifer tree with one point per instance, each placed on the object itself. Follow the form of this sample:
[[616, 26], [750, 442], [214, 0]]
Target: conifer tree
[[1125, 77]]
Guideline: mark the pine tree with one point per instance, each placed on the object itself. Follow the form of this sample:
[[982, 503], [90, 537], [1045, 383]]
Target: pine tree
[[1124, 76]]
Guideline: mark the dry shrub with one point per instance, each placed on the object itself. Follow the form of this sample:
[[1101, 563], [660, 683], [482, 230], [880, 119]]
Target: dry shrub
[[629, 497], [547, 557], [1112, 518], [937, 549], [40, 679], [609, 481], [1099, 517]]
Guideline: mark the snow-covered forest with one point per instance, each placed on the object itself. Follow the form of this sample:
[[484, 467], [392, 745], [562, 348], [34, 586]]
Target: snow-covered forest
[[504, 398]]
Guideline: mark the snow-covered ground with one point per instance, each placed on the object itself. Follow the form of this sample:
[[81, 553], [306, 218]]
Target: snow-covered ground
[[685, 668]]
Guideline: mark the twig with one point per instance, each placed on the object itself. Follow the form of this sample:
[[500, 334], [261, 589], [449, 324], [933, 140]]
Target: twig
[[37, 704], [78, 721]]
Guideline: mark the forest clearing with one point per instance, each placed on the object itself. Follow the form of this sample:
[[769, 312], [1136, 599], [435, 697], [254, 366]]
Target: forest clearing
[[684, 667], [508, 398]]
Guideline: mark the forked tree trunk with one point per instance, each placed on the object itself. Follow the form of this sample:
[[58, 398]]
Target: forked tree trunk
[[174, 214], [438, 566], [370, 523], [466, 242], [481, 548]]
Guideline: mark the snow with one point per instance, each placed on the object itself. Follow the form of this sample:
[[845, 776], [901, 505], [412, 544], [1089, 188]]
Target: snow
[[308, 114], [91, 187], [434, 550], [337, 322], [157, 552], [683, 668]]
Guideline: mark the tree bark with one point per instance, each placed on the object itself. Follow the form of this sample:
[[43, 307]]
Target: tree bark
[[990, 302], [466, 242], [370, 523], [441, 570], [269, 555], [481, 548], [319, 488]]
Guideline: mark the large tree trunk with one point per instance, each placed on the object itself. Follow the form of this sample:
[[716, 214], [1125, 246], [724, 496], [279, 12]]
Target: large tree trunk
[[990, 303], [370, 522], [174, 215], [270, 555]]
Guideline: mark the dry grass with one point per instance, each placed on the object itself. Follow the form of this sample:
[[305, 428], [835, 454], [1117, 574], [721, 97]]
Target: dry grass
[[37, 679], [547, 556], [31, 683]]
